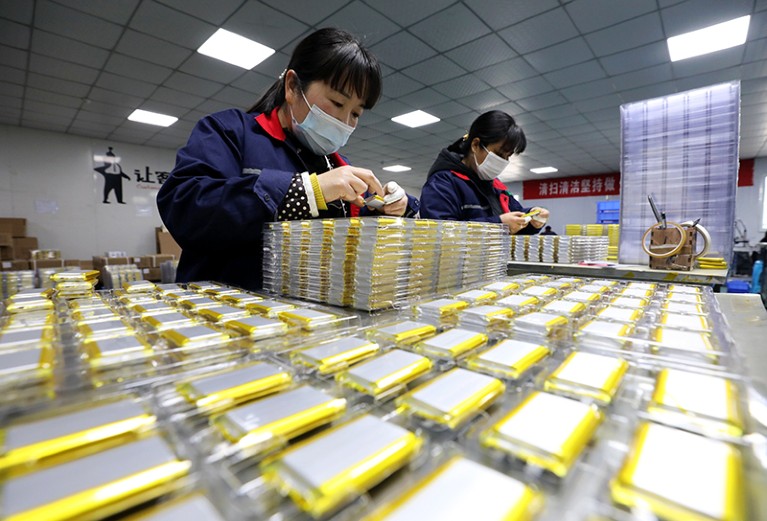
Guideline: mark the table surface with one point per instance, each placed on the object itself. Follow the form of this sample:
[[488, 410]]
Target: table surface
[[623, 271]]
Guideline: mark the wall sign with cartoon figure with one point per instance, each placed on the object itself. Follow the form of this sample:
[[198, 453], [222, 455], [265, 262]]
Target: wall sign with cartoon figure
[[109, 167]]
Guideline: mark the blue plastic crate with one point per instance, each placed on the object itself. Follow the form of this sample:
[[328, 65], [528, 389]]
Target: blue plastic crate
[[738, 286]]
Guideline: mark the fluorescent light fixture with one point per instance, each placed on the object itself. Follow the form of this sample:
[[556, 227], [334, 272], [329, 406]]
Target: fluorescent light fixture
[[417, 118], [544, 170], [152, 118], [709, 39], [397, 168], [235, 49]]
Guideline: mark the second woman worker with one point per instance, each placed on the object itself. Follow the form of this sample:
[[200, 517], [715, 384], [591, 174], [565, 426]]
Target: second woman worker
[[463, 182]]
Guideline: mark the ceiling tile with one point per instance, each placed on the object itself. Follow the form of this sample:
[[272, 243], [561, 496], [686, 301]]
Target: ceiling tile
[[10, 102], [648, 92], [635, 59], [210, 106], [59, 69], [210, 68], [54, 98], [512, 70], [13, 57], [484, 101], [11, 89], [407, 12], [402, 50], [398, 85], [49, 108], [432, 30], [542, 101], [265, 25], [192, 84], [236, 97], [525, 88], [588, 90], [175, 97], [20, 12], [12, 75], [460, 87], [14, 34], [592, 15], [130, 86], [68, 88], [69, 50], [118, 12], [499, 14], [581, 73], [656, 74], [481, 53], [717, 61], [309, 12], [362, 21], [434, 70], [254, 82], [587, 107], [389, 109], [448, 109], [627, 35], [114, 98], [539, 32], [213, 12], [77, 25], [560, 56], [149, 48], [173, 26], [130, 67]]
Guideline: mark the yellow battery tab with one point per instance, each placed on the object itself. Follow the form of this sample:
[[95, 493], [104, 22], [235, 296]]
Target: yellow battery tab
[[540, 292], [335, 355], [462, 489], [257, 327], [385, 374], [565, 308], [546, 431], [451, 344], [453, 398], [542, 324], [486, 317], [680, 476], [701, 401], [519, 303], [477, 296], [272, 422], [269, 308], [165, 321], [440, 309], [231, 388], [588, 375], [146, 307], [114, 352], [503, 288], [42, 443], [508, 359], [195, 336], [329, 470], [97, 486], [240, 299], [222, 313], [308, 319], [402, 333], [197, 302], [137, 286]]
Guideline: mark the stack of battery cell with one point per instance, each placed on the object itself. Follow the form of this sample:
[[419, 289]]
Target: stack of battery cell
[[11, 282], [549, 245], [380, 262]]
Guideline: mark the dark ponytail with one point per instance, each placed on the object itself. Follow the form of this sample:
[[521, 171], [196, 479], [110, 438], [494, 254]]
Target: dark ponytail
[[493, 127], [335, 57]]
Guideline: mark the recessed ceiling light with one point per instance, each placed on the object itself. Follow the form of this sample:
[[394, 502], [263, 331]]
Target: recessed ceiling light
[[397, 168], [417, 118], [235, 49], [709, 39], [544, 170], [152, 118]]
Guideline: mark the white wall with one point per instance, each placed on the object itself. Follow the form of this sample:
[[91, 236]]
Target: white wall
[[48, 178]]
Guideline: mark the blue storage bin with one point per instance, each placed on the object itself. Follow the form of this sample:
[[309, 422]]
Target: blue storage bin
[[738, 286]]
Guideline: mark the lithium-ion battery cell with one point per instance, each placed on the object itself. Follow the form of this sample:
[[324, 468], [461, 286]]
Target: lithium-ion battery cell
[[477, 296], [684, 288], [231, 388], [695, 400], [19, 338], [463, 489], [520, 303], [166, 321], [104, 329], [137, 286], [27, 305], [32, 319], [308, 319], [193, 507], [402, 333], [587, 297], [451, 344], [540, 324], [546, 431], [440, 310], [684, 298], [503, 288], [335, 355], [194, 336], [630, 302], [542, 293], [328, 471], [152, 307], [272, 422], [269, 308], [109, 353], [453, 398], [222, 313], [486, 317], [619, 314], [682, 307], [257, 327], [680, 343], [680, 476], [41, 443], [600, 332], [102, 312], [385, 374], [97, 486], [509, 359], [197, 302], [203, 285], [570, 309], [639, 293], [680, 321], [588, 375], [26, 367], [240, 299]]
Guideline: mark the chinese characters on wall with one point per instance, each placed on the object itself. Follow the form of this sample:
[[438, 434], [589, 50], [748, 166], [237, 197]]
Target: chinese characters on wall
[[576, 186]]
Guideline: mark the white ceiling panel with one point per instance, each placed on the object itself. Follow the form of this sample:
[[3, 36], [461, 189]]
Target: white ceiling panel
[[562, 68]]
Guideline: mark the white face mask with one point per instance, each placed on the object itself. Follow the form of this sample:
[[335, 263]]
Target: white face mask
[[320, 132], [491, 167]]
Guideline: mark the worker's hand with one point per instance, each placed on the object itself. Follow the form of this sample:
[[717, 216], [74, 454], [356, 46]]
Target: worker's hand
[[540, 219], [348, 183], [514, 221], [396, 199]]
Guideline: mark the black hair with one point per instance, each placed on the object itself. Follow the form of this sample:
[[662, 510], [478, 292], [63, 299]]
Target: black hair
[[493, 127], [333, 56]]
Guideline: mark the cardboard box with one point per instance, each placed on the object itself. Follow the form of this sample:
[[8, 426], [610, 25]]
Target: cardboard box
[[7, 253], [15, 265], [142, 262], [86, 264], [24, 246], [166, 244], [47, 263], [6, 239], [17, 227], [101, 261], [72, 262], [153, 274]]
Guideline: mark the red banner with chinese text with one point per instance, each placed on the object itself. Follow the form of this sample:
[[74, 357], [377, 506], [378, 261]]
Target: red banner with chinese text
[[575, 186]]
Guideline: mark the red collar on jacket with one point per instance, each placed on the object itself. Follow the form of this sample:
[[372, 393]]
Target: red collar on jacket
[[497, 184], [271, 124]]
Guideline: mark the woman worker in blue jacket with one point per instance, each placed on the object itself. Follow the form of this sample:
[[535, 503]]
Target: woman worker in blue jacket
[[277, 161], [463, 183]]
